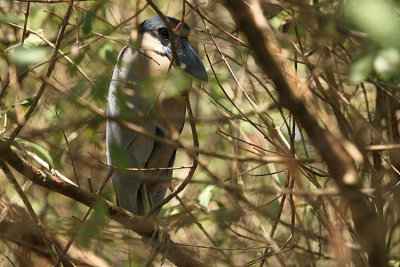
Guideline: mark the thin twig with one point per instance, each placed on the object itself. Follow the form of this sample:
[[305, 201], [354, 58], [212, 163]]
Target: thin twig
[[48, 74], [28, 7]]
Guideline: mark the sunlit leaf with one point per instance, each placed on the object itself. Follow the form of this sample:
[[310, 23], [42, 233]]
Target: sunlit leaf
[[387, 63], [360, 68], [205, 195], [377, 18], [39, 150], [27, 56], [178, 81], [11, 19], [24, 102], [92, 129], [34, 40]]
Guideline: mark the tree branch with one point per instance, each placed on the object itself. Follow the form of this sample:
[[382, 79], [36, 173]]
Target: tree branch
[[253, 24], [138, 224]]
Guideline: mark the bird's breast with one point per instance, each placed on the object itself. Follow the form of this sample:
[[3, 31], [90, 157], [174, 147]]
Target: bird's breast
[[172, 111]]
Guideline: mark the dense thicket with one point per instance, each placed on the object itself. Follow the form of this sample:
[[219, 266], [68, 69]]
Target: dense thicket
[[290, 156]]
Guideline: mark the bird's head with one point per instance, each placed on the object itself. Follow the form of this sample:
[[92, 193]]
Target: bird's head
[[155, 37]]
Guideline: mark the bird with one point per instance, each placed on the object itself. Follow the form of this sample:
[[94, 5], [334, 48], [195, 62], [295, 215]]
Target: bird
[[139, 93]]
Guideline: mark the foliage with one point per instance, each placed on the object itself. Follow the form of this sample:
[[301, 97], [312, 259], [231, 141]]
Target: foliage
[[263, 193]]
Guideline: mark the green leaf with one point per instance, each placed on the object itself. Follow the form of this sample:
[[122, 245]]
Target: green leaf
[[377, 18], [80, 88], [24, 102], [34, 40], [99, 213], [92, 228], [107, 53], [387, 63], [100, 91], [177, 82], [120, 157], [87, 22], [205, 196], [27, 56], [3, 46], [39, 150], [92, 129], [360, 68], [10, 19]]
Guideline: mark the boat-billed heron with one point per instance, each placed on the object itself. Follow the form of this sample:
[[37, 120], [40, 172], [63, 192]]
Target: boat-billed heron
[[137, 95]]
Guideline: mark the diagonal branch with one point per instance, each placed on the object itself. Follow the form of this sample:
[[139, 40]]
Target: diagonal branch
[[253, 24], [143, 227], [49, 71]]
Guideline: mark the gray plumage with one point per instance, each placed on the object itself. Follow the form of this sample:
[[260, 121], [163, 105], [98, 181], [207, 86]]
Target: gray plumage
[[130, 99]]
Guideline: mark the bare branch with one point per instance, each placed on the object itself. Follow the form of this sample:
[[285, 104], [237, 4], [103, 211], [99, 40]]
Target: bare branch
[[253, 23], [138, 224]]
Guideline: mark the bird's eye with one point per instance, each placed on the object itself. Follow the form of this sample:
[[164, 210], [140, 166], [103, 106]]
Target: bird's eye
[[163, 33]]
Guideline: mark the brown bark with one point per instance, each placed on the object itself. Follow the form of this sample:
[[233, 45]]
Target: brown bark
[[143, 227], [338, 160]]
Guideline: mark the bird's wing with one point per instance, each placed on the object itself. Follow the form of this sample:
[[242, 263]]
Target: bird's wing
[[159, 188], [125, 99], [163, 155]]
